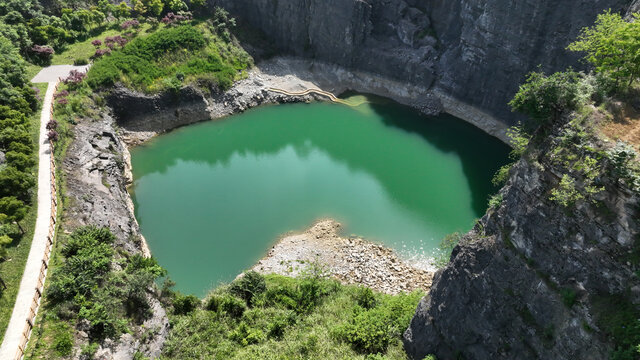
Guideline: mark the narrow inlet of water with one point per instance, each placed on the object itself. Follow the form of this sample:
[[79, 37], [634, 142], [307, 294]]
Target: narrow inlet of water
[[212, 198]]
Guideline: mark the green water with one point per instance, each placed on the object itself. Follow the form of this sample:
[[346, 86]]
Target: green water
[[212, 198]]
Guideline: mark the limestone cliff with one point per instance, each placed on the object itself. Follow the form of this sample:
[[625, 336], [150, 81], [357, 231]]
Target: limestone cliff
[[534, 279], [474, 50]]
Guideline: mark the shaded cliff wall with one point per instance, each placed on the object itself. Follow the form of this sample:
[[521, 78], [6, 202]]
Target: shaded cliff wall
[[535, 280], [477, 51]]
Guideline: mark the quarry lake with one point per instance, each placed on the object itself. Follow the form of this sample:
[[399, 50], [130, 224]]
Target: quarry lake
[[212, 198]]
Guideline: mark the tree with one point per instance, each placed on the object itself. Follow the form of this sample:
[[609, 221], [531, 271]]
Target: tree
[[122, 10], [20, 160], [4, 242], [612, 45], [155, 7], [12, 210], [544, 97], [14, 182]]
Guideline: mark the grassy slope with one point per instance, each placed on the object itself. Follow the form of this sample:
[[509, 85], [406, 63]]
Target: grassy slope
[[206, 334], [18, 252]]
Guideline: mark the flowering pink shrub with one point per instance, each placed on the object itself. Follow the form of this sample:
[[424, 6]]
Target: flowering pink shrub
[[96, 43], [75, 77], [63, 101], [101, 52], [52, 124], [120, 40], [43, 52], [171, 18], [62, 93], [130, 23], [53, 135]]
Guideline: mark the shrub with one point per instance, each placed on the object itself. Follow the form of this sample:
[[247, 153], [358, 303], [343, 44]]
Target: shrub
[[278, 325], [446, 247], [63, 343], [545, 97], [232, 306], [365, 298], [245, 335], [495, 201], [566, 193], [184, 304], [43, 53], [52, 124], [248, 286], [52, 135], [96, 43], [502, 175], [368, 332], [80, 61], [371, 331], [130, 24]]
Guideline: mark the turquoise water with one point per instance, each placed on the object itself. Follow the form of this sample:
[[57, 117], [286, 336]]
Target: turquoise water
[[212, 198]]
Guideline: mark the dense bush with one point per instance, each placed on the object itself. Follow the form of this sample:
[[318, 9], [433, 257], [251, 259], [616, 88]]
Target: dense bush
[[545, 97], [88, 286], [248, 286], [184, 304], [372, 330]]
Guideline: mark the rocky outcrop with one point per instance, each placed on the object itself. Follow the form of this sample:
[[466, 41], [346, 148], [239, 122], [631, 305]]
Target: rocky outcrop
[[530, 280], [140, 112], [475, 51], [97, 172]]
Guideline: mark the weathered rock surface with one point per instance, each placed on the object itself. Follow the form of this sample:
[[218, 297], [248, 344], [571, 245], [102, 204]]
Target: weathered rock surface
[[97, 173], [501, 296], [475, 51]]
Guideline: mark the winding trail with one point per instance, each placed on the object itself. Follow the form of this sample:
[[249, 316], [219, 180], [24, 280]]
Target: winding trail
[[311, 91], [35, 272]]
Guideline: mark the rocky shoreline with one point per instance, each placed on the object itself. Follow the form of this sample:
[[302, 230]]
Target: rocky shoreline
[[350, 260], [141, 116]]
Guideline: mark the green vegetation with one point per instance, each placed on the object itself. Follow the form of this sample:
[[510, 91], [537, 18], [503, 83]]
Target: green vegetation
[[619, 318], [93, 284], [18, 139], [545, 97], [171, 57], [276, 317], [612, 46], [446, 247]]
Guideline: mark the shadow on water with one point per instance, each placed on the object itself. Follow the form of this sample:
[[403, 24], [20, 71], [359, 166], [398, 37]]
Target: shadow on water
[[480, 154]]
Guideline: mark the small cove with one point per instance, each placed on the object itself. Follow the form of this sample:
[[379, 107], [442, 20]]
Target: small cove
[[212, 198]]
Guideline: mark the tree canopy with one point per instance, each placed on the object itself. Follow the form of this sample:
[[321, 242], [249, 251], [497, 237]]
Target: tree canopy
[[612, 46]]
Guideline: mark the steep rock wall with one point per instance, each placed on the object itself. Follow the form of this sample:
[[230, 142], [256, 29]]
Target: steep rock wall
[[476, 51], [530, 281]]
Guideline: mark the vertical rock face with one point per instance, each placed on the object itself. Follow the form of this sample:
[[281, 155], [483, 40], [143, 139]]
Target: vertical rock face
[[477, 51], [530, 281]]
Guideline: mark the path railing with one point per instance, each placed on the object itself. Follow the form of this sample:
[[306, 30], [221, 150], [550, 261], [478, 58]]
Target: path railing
[[35, 302]]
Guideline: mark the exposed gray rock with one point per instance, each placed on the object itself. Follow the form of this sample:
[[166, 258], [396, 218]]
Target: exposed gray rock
[[500, 296], [96, 185], [97, 173], [476, 51], [3, 159]]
